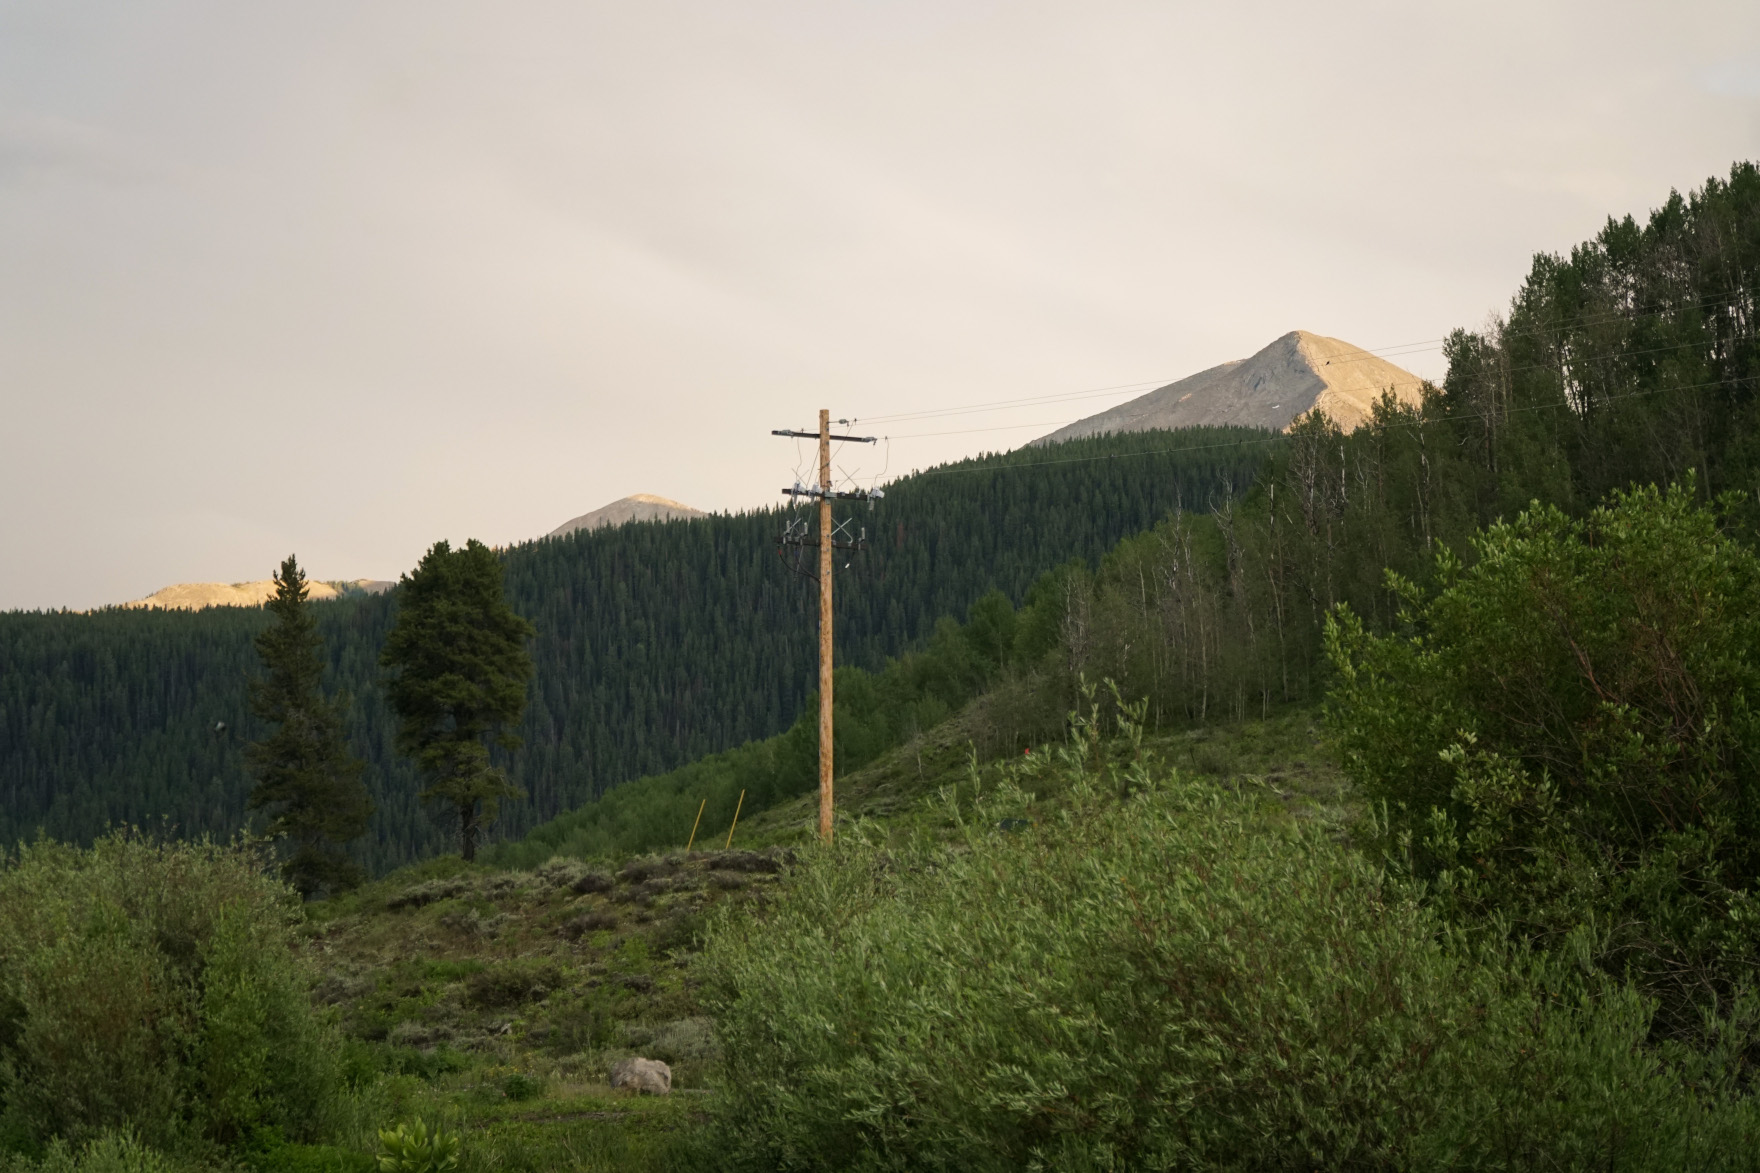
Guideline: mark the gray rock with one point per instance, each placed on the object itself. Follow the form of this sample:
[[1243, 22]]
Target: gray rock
[[649, 1076]]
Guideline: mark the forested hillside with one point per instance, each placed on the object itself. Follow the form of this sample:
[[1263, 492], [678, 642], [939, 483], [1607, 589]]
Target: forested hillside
[[1636, 359], [657, 644]]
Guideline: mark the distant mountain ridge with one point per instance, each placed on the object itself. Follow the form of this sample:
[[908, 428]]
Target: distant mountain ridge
[[635, 507], [1298, 373], [193, 596]]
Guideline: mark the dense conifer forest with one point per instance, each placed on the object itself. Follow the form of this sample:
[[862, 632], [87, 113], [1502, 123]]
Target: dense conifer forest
[[657, 643]]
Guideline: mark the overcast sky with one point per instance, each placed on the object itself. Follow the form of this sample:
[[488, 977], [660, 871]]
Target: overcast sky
[[343, 278]]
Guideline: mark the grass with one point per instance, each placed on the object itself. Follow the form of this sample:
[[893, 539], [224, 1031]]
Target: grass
[[1284, 754], [496, 1001]]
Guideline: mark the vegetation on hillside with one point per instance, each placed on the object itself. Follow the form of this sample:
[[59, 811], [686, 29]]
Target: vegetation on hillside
[[1113, 967], [657, 644], [153, 990], [1563, 746]]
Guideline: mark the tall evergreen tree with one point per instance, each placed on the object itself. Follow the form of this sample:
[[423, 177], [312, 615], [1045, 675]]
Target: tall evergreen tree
[[459, 667], [304, 772]]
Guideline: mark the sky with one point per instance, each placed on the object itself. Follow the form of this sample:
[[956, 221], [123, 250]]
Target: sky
[[346, 278]]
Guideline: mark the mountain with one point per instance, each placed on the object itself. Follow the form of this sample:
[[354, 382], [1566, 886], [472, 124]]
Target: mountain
[[635, 507], [1296, 374], [193, 596]]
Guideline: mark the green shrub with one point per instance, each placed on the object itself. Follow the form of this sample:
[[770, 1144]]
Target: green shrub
[[110, 1152], [1170, 981], [271, 1154], [520, 1087], [1564, 743], [412, 1148], [152, 986], [511, 983]]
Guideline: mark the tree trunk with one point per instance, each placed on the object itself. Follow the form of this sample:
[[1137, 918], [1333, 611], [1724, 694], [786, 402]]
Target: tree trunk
[[467, 830]]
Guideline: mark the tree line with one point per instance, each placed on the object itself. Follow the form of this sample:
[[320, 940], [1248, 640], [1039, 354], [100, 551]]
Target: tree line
[[656, 644]]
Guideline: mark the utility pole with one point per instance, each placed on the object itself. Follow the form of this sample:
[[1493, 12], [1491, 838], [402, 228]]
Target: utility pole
[[827, 540]]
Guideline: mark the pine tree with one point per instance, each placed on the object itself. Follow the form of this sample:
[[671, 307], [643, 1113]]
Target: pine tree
[[460, 667], [304, 771]]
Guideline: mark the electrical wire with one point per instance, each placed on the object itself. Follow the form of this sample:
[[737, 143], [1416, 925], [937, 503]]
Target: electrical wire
[[1281, 437], [1363, 355], [1611, 316], [1388, 386]]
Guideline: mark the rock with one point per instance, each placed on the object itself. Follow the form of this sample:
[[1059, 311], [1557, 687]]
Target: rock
[[648, 1076]]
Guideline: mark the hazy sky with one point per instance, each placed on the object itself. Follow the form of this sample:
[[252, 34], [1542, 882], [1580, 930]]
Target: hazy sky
[[346, 278]]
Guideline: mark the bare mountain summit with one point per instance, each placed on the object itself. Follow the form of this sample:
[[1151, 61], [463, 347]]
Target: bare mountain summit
[[1294, 375], [636, 507]]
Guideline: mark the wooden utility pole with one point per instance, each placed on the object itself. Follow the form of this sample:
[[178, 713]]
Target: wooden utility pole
[[825, 535], [827, 542]]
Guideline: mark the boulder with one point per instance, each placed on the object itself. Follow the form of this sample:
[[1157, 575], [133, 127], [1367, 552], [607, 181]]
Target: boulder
[[648, 1076]]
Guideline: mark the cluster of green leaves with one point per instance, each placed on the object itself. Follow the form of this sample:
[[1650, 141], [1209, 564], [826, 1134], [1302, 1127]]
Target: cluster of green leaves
[[1177, 979], [657, 645], [1564, 739], [153, 987], [414, 1148]]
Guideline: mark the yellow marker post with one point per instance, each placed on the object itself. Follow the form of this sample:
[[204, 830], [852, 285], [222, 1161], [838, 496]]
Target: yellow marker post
[[700, 806], [736, 810]]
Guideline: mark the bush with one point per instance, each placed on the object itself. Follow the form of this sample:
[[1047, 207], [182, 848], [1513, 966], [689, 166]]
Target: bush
[[520, 1087], [1564, 743], [411, 1148], [511, 983], [152, 986], [112, 1152], [1170, 981]]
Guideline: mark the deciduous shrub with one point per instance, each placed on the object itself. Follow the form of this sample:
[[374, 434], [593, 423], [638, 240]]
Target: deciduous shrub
[[1171, 981], [412, 1148], [151, 986], [110, 1152], [1564, 742]]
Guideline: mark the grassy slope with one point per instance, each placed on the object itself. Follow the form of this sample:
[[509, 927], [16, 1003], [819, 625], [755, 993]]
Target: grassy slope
[[499, 999], [899, 790]]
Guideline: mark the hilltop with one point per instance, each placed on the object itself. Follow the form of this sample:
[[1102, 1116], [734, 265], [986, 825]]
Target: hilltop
[[1298, 373], [635, 507], [193, 596]]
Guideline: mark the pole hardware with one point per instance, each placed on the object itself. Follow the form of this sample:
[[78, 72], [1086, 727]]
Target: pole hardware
[[828, 538]]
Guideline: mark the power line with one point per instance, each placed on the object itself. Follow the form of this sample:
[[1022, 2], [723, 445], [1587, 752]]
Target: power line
[[1388, 386], [1028, 401], [1361, 355], [1280, 437], [1611, 316]]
